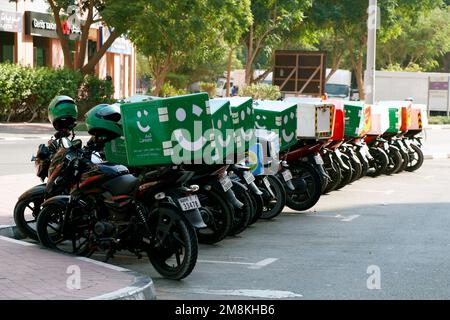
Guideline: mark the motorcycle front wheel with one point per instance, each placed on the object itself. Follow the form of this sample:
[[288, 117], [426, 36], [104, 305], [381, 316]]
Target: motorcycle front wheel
[[175, 251]]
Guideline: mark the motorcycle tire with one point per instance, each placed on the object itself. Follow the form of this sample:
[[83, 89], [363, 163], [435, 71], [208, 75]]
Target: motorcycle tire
[[347, 174], [48, 230], [335, 173], [181, 242], [357, 167], [243, 215], [379, 164], [395, 161], [405, 158], [308, 185], [258, 204], [273, 206], [217, 214], [415, 160], [28, 226], [364, 165]]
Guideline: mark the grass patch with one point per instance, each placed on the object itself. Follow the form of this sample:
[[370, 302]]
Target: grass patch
[[439, 120]]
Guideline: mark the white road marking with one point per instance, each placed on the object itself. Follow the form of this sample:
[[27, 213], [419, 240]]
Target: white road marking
[[252, 265], [253, 293], [353, 217], [388, 192], [263, 263], [338, 216], [23, 243], [226, 262]]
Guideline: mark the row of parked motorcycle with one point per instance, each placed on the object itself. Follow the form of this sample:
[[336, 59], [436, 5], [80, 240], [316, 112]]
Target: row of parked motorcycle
[[110, 195]]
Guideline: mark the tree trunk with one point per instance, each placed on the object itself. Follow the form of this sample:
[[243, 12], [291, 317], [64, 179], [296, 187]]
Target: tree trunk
[[248, 60], [358, 68], [90, 66], [68, 63], [230, 58]]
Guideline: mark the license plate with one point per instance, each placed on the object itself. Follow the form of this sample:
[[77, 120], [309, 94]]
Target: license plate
[[249, 177], [386, 146], [318, 159], [226, 183], [287, 175], [189, 203], [266, 183]]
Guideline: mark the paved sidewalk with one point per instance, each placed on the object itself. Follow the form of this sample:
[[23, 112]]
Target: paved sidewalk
[[29, 272]]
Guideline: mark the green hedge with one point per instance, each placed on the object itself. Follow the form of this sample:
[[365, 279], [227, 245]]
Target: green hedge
[[26, 92]]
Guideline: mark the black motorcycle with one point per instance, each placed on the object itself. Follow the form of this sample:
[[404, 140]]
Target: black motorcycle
[[105, 211]]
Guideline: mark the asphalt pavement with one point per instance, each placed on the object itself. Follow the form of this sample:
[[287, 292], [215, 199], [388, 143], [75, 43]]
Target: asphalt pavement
[[383, 238]]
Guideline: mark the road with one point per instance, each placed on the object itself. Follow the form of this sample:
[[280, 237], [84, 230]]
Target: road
[[395, 226]]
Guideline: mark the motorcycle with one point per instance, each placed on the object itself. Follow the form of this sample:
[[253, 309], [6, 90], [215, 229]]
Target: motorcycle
[[106, 211]]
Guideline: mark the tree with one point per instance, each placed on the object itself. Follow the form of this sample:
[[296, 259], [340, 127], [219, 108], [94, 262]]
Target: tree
[[420, 43], [273, 21], [348, 20], [113, 14], [176, 33]]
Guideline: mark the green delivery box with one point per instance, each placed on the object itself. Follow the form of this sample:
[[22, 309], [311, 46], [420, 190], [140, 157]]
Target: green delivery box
[[277, 116], [395, 118], [243, 122], [354, 118], [223, 130], [116, 152], [167, 131]]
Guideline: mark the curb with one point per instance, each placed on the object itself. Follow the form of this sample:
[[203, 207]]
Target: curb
[[141, 289], [438, 127], [11, 231], [436, 156]]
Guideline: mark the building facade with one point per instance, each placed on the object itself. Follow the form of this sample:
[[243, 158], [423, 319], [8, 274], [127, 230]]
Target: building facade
[[28, 37]]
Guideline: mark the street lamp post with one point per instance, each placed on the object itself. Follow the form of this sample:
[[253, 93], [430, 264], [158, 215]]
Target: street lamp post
[[369, 77]]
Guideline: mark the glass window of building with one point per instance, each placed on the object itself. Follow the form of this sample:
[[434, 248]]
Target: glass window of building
[[41, 50], [7, 47]]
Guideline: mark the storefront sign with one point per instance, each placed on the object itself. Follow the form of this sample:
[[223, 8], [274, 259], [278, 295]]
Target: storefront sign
[[43, 25], [121, 45], [10, 21]]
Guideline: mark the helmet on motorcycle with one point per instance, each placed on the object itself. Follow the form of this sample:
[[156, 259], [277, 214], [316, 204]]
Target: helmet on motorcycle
[[62, 112], [104, 121]]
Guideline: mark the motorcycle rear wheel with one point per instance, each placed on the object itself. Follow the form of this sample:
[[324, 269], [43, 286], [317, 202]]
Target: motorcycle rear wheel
[[335, 173], [217, 214], [395, 161], [302, 200], [416, 161], [347, 174], [243, 215], [176, 254], [380, 162], [273, 206]]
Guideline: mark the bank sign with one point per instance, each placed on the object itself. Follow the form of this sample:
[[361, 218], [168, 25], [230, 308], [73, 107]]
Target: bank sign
[[10, 21], [43, 25]]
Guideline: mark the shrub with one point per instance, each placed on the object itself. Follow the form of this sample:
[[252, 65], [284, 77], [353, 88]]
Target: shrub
[[168, 90], [209, 87], [261, 91], [26, 92]]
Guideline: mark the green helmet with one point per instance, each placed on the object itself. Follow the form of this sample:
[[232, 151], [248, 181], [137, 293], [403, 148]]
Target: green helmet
[[104, 121], [62, 112]]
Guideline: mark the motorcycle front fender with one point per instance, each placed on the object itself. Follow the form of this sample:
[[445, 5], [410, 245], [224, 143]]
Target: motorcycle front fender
[[61, 200], [33, 192]]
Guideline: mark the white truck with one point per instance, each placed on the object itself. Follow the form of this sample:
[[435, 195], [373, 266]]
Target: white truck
[[426, 88], [339, 85]]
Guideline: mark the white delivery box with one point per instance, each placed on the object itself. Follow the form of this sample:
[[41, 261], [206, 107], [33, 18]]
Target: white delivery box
[[380, 120], [315, 119]]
